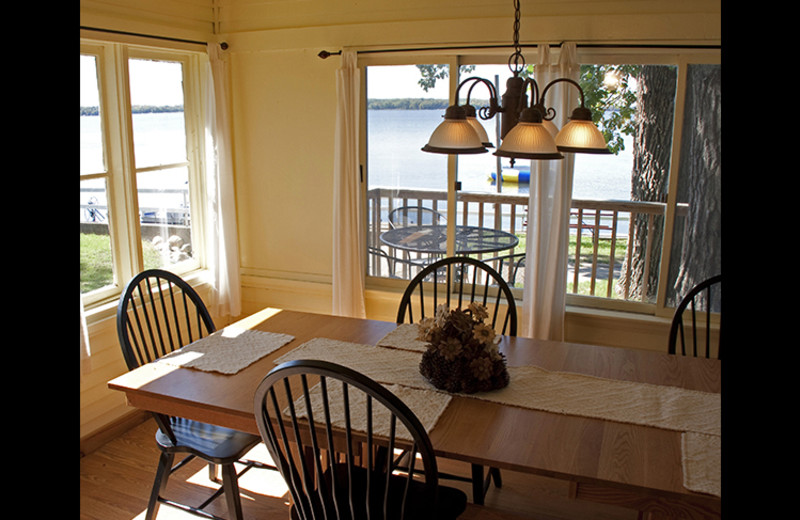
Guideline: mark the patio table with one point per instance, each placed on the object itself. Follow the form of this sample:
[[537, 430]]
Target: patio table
[[432, 239]]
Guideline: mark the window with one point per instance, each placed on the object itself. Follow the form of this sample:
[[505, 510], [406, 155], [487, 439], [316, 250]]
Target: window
[[141, 166], [636, 223], [401, 175]]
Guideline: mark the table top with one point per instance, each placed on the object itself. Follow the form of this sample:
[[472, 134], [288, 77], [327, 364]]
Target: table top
[[593, 453], [433, 239]]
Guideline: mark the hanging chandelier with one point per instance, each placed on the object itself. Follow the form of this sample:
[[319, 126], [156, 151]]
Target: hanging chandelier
[[526, 130]]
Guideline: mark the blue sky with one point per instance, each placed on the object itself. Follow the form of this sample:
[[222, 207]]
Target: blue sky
[[152, 82], [398, 81]]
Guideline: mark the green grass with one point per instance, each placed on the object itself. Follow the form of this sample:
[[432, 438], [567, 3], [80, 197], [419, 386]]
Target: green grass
[[603, 259], [96, 261], [603, 249], [587, 249], [96, 269]]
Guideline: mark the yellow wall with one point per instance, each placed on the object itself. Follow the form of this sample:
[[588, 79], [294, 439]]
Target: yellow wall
[[283, 112]]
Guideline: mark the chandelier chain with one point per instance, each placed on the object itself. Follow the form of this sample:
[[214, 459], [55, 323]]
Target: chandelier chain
[[516, 62]]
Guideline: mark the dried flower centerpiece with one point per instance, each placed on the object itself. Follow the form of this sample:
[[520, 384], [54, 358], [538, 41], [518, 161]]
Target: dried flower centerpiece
[[462, 354]]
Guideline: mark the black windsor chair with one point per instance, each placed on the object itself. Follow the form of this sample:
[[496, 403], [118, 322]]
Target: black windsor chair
[[319, 418], [464, 280], [702, 298], [159, 313], [459, 281]]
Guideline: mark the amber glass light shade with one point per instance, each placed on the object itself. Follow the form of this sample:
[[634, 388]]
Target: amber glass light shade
[[580, 135], [551, 127], [482, 135], [455, 135], [529, 139], [472, 119]]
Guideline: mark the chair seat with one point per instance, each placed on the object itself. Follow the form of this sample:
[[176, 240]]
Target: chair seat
[[450, 504], [212, 443]]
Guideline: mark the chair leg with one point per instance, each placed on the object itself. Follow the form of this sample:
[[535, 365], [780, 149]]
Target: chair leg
[[212, 473], [230, 483], [160, 483], [481, 485], [477, 484], [498, 480]]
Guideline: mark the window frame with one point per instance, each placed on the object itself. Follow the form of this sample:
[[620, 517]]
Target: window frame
[[679, 57], [112, 55]]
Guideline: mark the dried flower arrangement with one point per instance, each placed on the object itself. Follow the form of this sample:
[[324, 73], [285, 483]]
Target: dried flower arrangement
[[462, 354]]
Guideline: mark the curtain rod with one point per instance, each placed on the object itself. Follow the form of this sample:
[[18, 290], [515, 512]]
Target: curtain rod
[[325, 54], [223, 45]]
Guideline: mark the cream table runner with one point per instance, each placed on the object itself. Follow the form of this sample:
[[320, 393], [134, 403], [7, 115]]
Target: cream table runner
[[427, 407], [695, 414], [228, 350]]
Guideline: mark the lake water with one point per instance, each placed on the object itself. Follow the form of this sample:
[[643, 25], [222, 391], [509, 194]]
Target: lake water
[[395, 160], [159, 139]]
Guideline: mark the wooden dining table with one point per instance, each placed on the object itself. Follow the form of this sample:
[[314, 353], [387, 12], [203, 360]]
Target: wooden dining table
[[629, 465]]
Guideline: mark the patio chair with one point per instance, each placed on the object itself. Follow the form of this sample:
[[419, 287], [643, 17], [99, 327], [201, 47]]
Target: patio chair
[[318, 418], [159, 313], [405, 216], [507, 265], [457, 282], [393, 261], [702, 298]]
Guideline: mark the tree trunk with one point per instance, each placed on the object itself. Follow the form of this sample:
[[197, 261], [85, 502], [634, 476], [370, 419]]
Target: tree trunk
[[697, 244], [652, 147]]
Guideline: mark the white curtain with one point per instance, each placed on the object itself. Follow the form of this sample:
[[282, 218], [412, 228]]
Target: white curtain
[[348, 234], [221, 236], [86, 362], [544, 294]]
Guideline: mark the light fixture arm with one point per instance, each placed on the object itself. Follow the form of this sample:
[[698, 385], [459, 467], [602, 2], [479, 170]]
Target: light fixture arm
[[485, 112], [580, 113]]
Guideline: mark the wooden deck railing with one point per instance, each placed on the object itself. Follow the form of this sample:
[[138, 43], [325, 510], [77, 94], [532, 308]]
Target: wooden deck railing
[[598, 221], [178, 213]]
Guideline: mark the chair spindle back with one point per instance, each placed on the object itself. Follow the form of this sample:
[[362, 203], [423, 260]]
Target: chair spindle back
[[332, 432], [458, 281]]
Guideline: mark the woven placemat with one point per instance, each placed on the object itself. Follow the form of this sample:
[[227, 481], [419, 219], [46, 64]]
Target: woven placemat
[[702, 463], [405, 337], [228, 350]]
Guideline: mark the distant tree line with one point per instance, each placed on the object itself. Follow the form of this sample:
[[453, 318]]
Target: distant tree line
[[136, 109], [373, 104], [416, 104]]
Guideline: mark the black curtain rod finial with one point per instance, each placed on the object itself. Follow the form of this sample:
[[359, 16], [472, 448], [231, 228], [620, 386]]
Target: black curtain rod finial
[[326, 54]]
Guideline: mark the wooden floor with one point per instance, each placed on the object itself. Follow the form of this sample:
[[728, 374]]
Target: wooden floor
[[116, 481]]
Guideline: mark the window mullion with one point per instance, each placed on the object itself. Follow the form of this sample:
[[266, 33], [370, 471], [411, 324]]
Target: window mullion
[[452, 165], [194, 89], [123, 190], [672, 190]]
